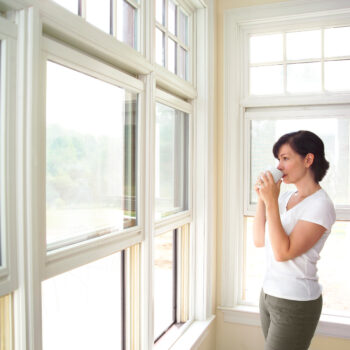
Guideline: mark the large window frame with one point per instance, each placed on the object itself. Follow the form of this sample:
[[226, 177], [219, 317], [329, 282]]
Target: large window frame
[[240, 108]]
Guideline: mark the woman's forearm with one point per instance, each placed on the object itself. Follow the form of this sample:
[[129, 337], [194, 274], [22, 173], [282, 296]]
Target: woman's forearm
[[259, 224]]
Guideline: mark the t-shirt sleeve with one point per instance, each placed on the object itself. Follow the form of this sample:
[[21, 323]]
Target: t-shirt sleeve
[[320, 212]]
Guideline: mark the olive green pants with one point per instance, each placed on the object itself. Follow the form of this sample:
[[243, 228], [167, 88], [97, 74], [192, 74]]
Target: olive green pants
[[288, 324]]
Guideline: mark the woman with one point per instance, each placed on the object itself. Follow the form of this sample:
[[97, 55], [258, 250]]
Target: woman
[[297, 226]]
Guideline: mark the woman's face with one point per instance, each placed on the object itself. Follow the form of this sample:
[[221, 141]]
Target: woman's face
[[292, 164]]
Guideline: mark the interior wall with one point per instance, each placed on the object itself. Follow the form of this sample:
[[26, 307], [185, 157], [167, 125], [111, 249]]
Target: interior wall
[[228, 335]]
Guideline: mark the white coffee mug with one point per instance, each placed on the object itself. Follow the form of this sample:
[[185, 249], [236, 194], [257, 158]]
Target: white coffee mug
[[276, 173]]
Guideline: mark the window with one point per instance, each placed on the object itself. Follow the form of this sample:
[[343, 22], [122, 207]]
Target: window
[[173, 45]]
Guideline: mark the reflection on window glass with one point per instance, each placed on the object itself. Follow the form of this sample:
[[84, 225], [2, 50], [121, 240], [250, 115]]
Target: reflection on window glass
[[304, 77], [183, 28], [127, 24], [266, 48], [160, 11], [182, 70], [303, 45], [164, 283], [172, 9], [98, 13], [172, 56], [71, 5], [171, 160], [336, 42], [334, 132], [6, 322], [160, 47], [82, 308], [91, 156], [266, 80], [337, 75]]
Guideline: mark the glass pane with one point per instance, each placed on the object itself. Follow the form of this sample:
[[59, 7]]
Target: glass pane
[[183, 28], [304, 77], [334, 280], [172, 17], [302, 45], [98, 13], [266, 48], [336, 42], [164, 283], [266, 80], [127, 25], [183, 64], [171, 160], [160, 47], [337, 76], [82, 308], [91, 156], [171, 56], [6, 322], [160, 11], [71, 5], [335, 133]]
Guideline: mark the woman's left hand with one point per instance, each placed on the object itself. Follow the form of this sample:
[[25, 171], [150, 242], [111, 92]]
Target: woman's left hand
[[268, 189]]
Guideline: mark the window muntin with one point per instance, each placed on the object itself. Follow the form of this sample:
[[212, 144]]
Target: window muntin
[[172, 153], [308, 61], [91, 156], [83, 308]]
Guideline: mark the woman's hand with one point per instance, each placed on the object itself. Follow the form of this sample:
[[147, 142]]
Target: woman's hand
[[267, 189]]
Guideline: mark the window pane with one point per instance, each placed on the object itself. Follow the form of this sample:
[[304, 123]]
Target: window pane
[[266, 48], [171, 161], [336, 42], [172, 17], [334, 280], [304, 77], [127, 24], [302, 45], [183, 64], [5, 322], [98, 13], [91, 156], [266, 80], [160, 11], [337, 75], [160, 47], [335, 133], [164, 283], [82, 308], [171, 56], [183, 28], [71, 5]]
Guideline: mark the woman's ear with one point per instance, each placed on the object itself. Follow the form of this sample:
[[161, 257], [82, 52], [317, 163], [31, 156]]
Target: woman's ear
[[309, 159]]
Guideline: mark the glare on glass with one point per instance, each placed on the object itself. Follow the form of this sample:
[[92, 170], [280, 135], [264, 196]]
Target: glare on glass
[[163, 283], [171, 55], [336, 42], [304, 77], [183, 27], [303, 45], [171, 161], [266, 48], [98, 13], [337, 75], [82, 308], [127, 24], [160, 47], [334, 132], [91, 155], [172, 17], [160, 11], [182, 70], [71, 5], [267, 80]]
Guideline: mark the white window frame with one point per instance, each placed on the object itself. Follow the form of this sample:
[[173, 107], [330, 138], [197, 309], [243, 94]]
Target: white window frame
[[237, 26]]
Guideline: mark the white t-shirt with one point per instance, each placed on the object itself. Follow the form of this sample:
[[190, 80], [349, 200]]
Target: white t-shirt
[[297, 279]]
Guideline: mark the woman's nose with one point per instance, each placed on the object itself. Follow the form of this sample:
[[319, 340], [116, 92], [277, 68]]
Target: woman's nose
[[279, 167]]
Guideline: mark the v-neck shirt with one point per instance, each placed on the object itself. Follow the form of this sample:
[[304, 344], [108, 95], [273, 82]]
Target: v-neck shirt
[[297, 279]]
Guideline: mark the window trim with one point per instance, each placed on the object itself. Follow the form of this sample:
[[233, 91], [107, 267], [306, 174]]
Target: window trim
[[236, 23]]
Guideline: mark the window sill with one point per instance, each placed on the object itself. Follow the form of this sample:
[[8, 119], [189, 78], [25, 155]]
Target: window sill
[[330, 326]]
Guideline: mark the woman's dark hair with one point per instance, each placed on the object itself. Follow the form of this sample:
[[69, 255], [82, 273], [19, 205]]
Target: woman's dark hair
[[304, 142]]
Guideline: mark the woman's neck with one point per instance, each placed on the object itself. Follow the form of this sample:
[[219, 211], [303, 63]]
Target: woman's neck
[[306, 189]]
